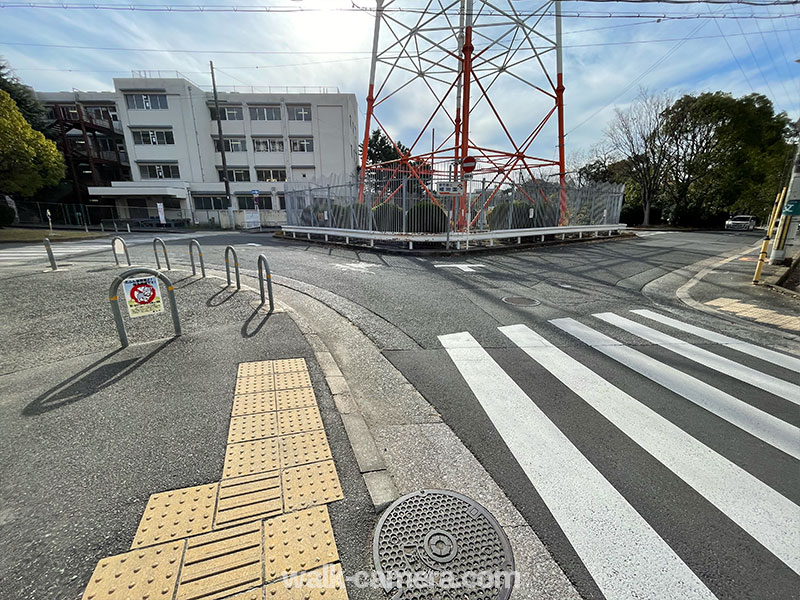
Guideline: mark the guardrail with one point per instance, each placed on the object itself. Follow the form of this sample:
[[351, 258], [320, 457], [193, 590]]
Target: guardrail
[[113, 299], [164, 248], [232, 250], [192, 243], [114, 250], [50, 254], [264, 266]]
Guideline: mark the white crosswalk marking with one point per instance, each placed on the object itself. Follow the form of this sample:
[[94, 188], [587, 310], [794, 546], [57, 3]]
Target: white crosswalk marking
[[765, 514], [624, 555], [35, 252], [762, 425], [782, 360], [783, 389]]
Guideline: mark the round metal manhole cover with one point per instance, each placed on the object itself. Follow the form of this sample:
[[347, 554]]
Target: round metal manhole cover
[[521, 301], [440, 544]]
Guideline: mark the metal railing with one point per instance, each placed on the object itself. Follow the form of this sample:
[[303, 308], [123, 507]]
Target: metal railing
[[192, 244], [124, 247], [113, 298], [263, 267], [232, 250], [164, 248]]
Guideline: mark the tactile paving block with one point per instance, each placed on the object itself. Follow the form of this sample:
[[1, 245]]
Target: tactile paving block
[[257, 456], [310, 485], [176, 514], [257, 383], [296, 398], [325, 583], [289, 365], [256, 594], [149, 573], [298, 420], [246, 404], [247, 498], [298, 542], [288, 381], [245, 428], [249, 369], [222, 563], [303, 448]]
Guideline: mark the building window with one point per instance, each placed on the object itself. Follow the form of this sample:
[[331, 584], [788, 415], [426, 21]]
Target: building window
[[159, 171], [265, 113], [146, 101], [106, 144], [247, 202], [271, 174], [268, 145], [210, 202], [235, 174], [231, 145], [299, 113], [228, 113], [282, 201], [302, 145], [155, 137]]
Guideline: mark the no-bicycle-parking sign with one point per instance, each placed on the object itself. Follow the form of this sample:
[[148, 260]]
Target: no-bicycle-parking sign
[[143, 296]]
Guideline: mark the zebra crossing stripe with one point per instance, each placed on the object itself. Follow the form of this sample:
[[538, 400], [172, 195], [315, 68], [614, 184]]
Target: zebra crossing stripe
[[777, 358], [756, 422], [773, 385], [621, 551], [768, 516]]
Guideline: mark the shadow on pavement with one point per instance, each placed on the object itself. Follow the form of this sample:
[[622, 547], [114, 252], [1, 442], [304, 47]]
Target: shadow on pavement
[[246, 325], [210, 302], [88, 381]]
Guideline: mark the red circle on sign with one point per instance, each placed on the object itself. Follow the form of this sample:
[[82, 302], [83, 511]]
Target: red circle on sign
[[468, 164], [143, 293]]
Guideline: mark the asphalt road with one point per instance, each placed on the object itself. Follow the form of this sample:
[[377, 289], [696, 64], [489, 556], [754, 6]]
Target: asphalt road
[[649, 466]]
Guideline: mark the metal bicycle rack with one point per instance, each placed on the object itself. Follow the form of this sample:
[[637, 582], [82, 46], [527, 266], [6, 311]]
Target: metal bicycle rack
[[124, 246], [262, 267], [164, 248], [113, 299], [192, 243], [232, 250]]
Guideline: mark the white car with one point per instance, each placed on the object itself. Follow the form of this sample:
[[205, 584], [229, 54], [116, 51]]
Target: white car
[[741, 223]]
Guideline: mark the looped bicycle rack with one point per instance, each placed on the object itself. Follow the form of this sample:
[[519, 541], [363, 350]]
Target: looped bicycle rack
[[232, 250], [114, 250], [192, 243], [164, 248], [262, 267], [113, 299]]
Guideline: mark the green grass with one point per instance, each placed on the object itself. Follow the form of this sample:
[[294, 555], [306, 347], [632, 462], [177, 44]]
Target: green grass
[[13, 234]]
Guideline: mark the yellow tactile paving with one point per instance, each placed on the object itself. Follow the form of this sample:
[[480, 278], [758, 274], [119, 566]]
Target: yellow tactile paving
[[257, 456], [256, 594], [257, 383], [245, 428], [176, 514], [296, 398], [219, 564], [310, 485], [247, 498], [760, 315], [288, 381], [249, 369], [303, 448], [289, 365], [146, 574], [325, 583], [246, 404], [298, 420], [298, 542]]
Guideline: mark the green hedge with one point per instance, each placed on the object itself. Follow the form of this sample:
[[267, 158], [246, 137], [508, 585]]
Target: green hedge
[[426, 217], [498, 216], [388, 217]]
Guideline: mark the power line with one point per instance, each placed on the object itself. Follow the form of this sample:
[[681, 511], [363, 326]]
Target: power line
[[733, 54]]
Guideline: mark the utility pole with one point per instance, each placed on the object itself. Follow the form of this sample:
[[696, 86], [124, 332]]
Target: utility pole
[[786, 230], [222, 148]]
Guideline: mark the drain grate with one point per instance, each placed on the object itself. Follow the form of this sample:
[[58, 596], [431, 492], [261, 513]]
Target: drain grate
[[521, 301], [440, 544]]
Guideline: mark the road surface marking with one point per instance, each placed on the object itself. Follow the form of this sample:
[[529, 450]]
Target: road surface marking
[[776, 358], [773, 385], [768, 516], [466, 267], [622, 552], [359, 267], [764, 426]]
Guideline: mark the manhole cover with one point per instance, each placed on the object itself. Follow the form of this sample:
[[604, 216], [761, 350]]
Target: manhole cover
[[440, 544], [520, 301]]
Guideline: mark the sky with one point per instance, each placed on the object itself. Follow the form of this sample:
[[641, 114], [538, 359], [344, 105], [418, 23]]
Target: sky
[[608, 57]]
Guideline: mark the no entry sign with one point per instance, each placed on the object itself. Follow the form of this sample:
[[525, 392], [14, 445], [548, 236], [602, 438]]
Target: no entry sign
[[143, 296], [468, 164]]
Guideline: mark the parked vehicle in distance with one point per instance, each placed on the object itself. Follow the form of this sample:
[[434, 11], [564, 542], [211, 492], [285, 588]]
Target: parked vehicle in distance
[[741, 223]]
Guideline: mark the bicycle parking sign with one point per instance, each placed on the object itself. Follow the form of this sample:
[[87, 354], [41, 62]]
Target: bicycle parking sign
[[143, 296]]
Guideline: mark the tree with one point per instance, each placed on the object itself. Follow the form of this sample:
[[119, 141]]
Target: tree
[[24, 97], [380, 148], [636, 135], [28, 161]]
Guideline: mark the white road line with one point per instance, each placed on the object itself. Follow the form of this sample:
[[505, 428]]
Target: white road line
[[773, 385], [768, 516], [764, 426], [466, 267], [777, 358], [625, 556]]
